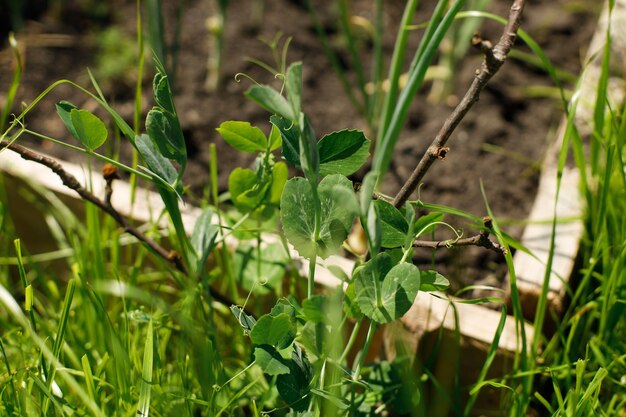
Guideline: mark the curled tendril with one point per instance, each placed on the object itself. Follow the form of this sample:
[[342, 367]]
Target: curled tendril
[[241, 75]]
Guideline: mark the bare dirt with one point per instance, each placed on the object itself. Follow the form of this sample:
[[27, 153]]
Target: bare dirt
[[501, 141]]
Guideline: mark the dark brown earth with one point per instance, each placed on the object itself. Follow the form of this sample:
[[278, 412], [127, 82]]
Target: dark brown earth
[[501, 141]]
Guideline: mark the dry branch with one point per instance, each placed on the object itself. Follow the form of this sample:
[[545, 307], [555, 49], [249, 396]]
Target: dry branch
[[109, 174], [494, 58]]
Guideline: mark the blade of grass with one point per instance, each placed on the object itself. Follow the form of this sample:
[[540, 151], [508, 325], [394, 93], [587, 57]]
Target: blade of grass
[[397, 60], [13, 308], [521, 356], [384, 147], [145, 390]]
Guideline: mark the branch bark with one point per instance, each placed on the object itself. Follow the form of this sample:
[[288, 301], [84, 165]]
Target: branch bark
[[494, 59]]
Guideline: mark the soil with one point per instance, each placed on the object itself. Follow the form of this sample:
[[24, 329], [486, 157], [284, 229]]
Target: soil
[[500, 142]]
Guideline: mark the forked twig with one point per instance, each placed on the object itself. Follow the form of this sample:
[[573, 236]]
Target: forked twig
[[71, 182], [481, 239], [494, 58], [109, 174]]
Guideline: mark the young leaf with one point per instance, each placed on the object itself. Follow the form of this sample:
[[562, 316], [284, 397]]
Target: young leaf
[[63, 110], [275, 138], [309, 154], [203, 238], [287, 306], [338, 204], [350, 306], [374, 229], [90, 130], [162, 92], [293, 387], [398, 287], [294, 86], [246, 321], [164, 130], [433, 281], [276, 331], [270, 361], [394, 225], [156, 163], [243, 137], [279, 178], [271, 100], [246, 192], [290, 139], [343, 152], [367, 191]]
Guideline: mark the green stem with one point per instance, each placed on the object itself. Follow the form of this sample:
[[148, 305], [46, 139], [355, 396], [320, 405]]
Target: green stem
[[366, 347], [311, 285], [91, 153], [351, 341]]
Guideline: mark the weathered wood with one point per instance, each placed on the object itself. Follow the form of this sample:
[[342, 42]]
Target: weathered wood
[[531, 268]]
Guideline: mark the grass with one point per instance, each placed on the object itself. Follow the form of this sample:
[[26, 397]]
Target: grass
[[102, 327]]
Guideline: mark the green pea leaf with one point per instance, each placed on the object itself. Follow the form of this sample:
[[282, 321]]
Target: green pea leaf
[[270, 100], [293, 387], [338, 208], [63, 110], [433, 281], [293, 83], [203, 238], [288, 306], [394, 225], [279, 178], [164, 130], [367, 191], [270, 361], [398, 286], [162, 92], [350, 305], [243, 136], [343, 152], [90, 130], [276, 331], [246, 321], [290, 139], [275, 138], [246, 190], [157, 164], [309, 154]]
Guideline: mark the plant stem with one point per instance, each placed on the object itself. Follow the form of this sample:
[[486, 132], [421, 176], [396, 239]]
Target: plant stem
[[91, 153], [311, 285], [351, 340], [363, 353]]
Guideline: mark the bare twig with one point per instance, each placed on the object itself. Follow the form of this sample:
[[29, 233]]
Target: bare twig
[[494, 58], [481, 239], [71, 182], [109, 174]]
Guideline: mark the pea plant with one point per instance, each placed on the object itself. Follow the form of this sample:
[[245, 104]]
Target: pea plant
[[297, 341]]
